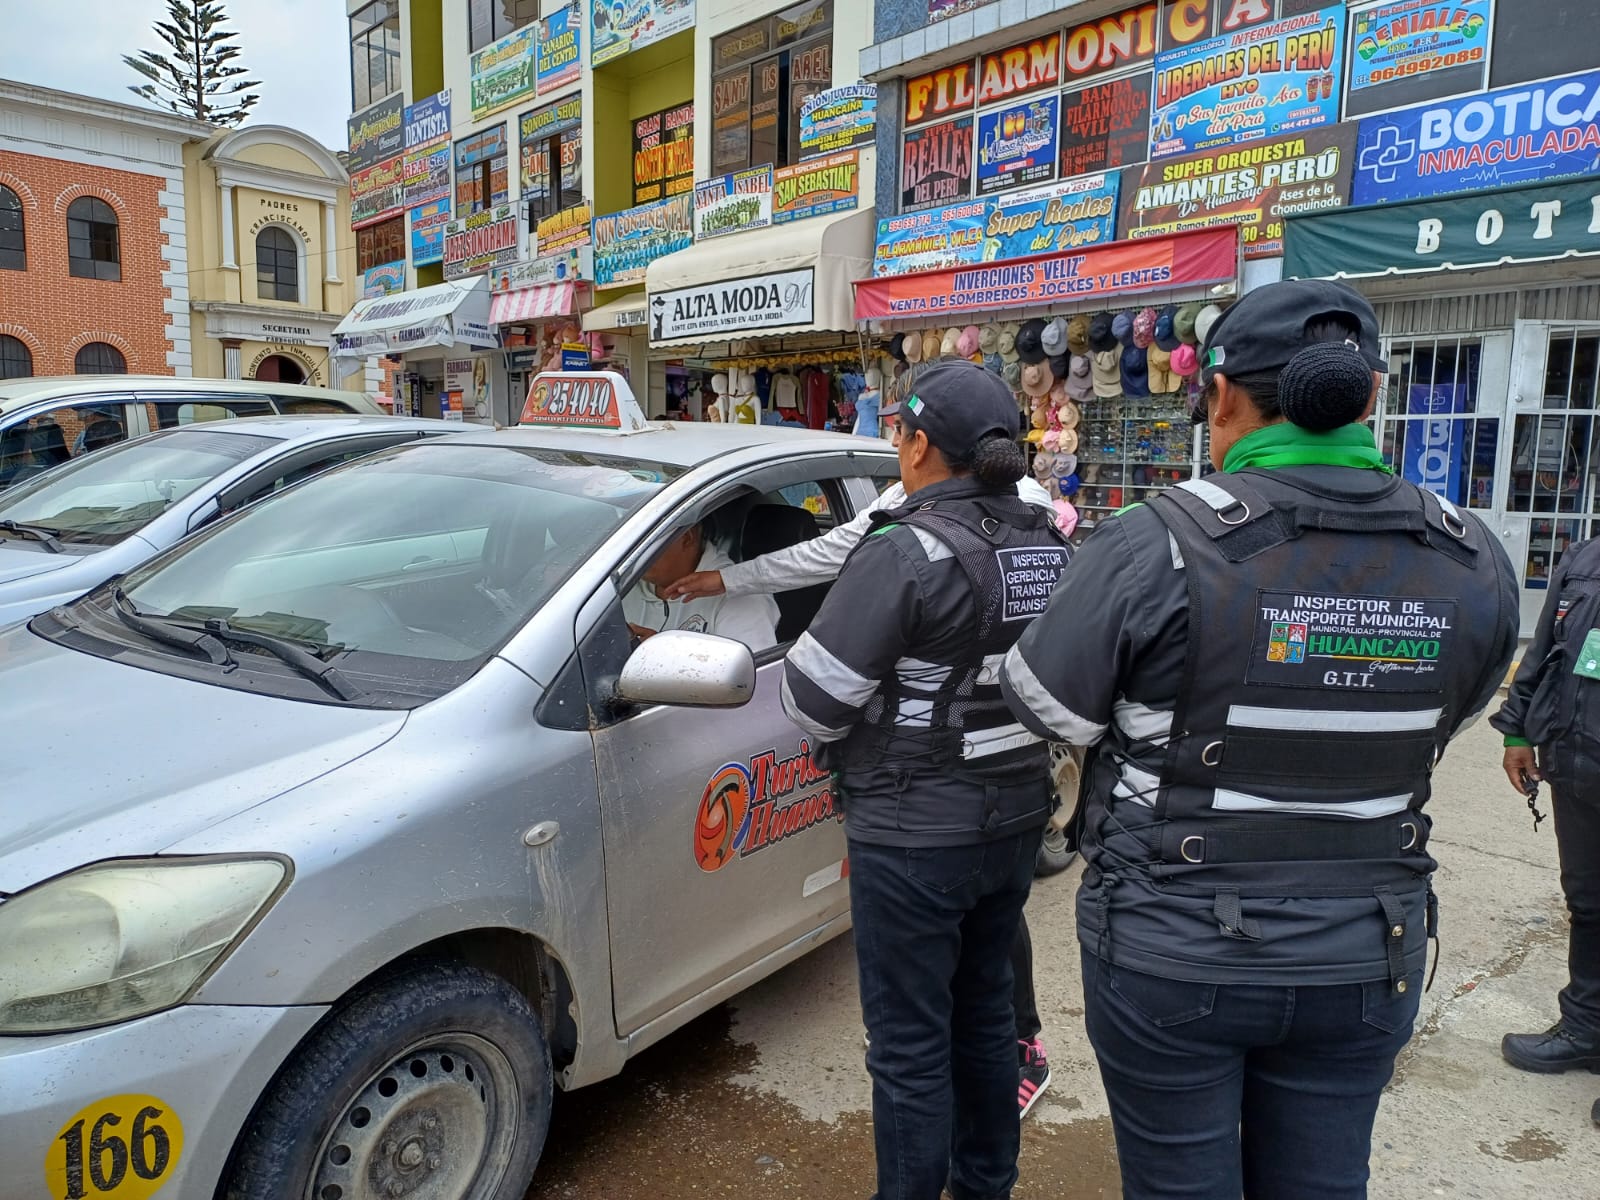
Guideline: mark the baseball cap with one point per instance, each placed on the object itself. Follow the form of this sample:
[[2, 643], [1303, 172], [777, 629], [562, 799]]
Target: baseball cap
[[1183, 323], [1122, 328], [1054, 337], [958, 404], [1100, 336], [1166, 336], [1135, 372], [1078, 334], [1265, 328]]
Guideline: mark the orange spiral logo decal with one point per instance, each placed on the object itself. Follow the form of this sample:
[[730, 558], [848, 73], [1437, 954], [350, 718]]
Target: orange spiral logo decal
[[720, 819]]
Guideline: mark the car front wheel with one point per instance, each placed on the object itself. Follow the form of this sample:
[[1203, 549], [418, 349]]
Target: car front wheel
[[431, 1084], [1060, 845]]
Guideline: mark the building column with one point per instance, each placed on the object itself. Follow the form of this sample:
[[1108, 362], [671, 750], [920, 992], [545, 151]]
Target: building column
[[330, 251], [227, 232], [232, 364]]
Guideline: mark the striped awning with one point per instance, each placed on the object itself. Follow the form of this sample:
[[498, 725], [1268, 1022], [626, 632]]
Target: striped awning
[[532, 304]]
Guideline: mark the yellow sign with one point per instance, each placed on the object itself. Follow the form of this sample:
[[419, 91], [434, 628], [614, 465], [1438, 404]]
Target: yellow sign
[[119, 1148]]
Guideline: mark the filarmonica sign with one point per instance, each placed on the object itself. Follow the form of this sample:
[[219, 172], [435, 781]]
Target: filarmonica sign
[[1532, 224], [776, 301]]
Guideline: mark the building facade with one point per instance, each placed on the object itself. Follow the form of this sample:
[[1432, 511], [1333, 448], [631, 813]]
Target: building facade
[[94, 254], [272, 265]]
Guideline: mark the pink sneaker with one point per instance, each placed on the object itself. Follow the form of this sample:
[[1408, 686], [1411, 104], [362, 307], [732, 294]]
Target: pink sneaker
[[1033, 1075]]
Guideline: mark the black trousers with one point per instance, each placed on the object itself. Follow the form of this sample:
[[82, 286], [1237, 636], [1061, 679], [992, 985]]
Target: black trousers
[[1023, 1000], [1577, 819]]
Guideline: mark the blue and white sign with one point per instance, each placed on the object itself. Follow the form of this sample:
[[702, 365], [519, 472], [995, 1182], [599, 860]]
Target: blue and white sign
[[1499, 139], [1433, 450], [1058, 216]]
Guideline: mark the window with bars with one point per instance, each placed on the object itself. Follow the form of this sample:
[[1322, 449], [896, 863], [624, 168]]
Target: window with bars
[[490, 20], [99, 358], [374, 53], [277, 265], [13, 236], [16, 360], [1432, 433], [93, 250]]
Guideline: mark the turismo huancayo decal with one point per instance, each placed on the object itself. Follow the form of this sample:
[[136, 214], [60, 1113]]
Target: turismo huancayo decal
[[748, 807]]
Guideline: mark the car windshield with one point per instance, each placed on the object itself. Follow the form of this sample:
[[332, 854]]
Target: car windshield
[[106, 496], [405, 570]]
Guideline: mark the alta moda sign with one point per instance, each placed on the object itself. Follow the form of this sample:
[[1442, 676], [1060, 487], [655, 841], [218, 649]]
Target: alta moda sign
[[712, 311]]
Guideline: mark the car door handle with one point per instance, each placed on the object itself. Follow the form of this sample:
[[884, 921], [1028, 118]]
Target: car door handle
[[418, 564]]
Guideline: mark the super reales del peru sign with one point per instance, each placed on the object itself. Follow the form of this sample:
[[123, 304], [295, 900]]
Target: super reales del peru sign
[[713, 310]]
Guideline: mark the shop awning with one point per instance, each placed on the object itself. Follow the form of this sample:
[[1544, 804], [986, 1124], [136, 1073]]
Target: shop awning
[[792, 278], [1097, 273], [449, 314], [532, 304], [625, 312]]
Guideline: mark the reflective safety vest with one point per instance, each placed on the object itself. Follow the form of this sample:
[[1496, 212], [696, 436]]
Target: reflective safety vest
[[1333, 647], [951, 715]]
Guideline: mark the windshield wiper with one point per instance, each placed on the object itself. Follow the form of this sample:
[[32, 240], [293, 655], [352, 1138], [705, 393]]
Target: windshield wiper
[[168, 631], [47, 537], [295, 655]]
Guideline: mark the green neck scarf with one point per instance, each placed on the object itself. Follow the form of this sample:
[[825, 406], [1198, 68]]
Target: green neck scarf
[[1287, 445]]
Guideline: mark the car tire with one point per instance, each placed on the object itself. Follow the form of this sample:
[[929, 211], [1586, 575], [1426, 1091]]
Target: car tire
[[433, 1082], [1059, 849]]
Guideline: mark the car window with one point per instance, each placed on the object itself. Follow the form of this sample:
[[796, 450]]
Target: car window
[[48, 439], [301, 406], [102, 498], [406, 569], [170, 414], [302, 468]]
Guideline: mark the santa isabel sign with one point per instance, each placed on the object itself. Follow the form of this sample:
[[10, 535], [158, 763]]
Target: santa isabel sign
[[714, 310]]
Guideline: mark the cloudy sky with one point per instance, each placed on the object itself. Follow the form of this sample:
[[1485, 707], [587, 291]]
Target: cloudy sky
[[296, 48]]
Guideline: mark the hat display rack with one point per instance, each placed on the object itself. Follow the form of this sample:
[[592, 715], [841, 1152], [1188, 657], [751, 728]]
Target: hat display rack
[[1104, 395]]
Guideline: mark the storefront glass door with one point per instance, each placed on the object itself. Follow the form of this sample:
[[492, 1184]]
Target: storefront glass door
[[1551, 455]]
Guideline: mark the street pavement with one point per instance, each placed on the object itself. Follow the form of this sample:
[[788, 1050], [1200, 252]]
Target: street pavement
[[768, 1096]]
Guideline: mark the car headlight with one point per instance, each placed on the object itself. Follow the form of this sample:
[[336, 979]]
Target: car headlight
[[123, 939]]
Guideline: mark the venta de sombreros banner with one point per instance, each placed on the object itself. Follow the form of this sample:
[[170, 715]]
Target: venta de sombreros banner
[[1181, 261]]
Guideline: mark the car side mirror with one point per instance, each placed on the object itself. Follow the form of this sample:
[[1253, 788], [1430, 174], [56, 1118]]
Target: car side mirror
[[690, 670], [206, 513]]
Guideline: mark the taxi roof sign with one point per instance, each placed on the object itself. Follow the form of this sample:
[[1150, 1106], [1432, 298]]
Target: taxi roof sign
[[582, 400]]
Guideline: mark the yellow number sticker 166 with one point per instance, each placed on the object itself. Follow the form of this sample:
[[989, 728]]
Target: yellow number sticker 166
[[121, 1148]]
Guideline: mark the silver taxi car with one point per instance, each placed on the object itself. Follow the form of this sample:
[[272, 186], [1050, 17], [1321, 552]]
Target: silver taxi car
[[343, 832]]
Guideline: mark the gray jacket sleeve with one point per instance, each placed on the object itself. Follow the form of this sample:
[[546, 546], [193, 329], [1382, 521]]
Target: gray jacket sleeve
[[1512, 718], [862, 630]]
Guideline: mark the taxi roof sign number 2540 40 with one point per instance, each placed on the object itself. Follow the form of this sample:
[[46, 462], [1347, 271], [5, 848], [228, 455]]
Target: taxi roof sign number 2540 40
[[582, 400]]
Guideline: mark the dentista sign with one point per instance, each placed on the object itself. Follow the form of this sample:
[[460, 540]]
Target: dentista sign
[[712, 311]]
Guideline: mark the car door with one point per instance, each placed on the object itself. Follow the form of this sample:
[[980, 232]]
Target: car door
[[724, 839]]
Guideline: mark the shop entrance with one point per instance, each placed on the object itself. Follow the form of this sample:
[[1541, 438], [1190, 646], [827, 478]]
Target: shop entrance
[[279, 368], [1504, 424]]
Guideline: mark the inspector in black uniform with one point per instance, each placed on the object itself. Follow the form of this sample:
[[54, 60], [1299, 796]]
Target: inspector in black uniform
[[946, 794], [1269, 662], [1554, 707]]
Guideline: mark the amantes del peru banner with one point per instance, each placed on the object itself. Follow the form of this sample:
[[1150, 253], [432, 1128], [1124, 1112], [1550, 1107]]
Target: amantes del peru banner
[[1511, 136], [931, 239], [1257, 83], [618, 26], [1255, 186], [1121, 268]]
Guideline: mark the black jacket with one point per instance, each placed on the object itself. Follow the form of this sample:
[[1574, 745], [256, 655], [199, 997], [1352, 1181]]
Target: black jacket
[[1549, 706], [897, 678]]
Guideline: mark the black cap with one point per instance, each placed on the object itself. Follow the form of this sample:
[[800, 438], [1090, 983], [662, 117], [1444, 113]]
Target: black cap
[[1030, 341], [1265, 328], [1101, 338], [957, 404]]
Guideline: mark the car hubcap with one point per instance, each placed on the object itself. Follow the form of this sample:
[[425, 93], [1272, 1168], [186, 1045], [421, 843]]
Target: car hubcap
[[438, 1123]]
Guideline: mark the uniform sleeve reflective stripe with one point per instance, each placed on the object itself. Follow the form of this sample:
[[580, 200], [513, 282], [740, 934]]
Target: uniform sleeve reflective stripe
[[1055, 716], [1141, 722], [1385, 806], [1177, 554], [1322, 721], [823, 733], [1135, 783], [818, 664]]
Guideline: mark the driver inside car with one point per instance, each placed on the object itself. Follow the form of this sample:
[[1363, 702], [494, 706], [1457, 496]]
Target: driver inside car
[[751, 619]]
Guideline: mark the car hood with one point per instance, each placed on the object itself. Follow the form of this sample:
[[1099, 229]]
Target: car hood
[[112, 761], [20, 561]]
